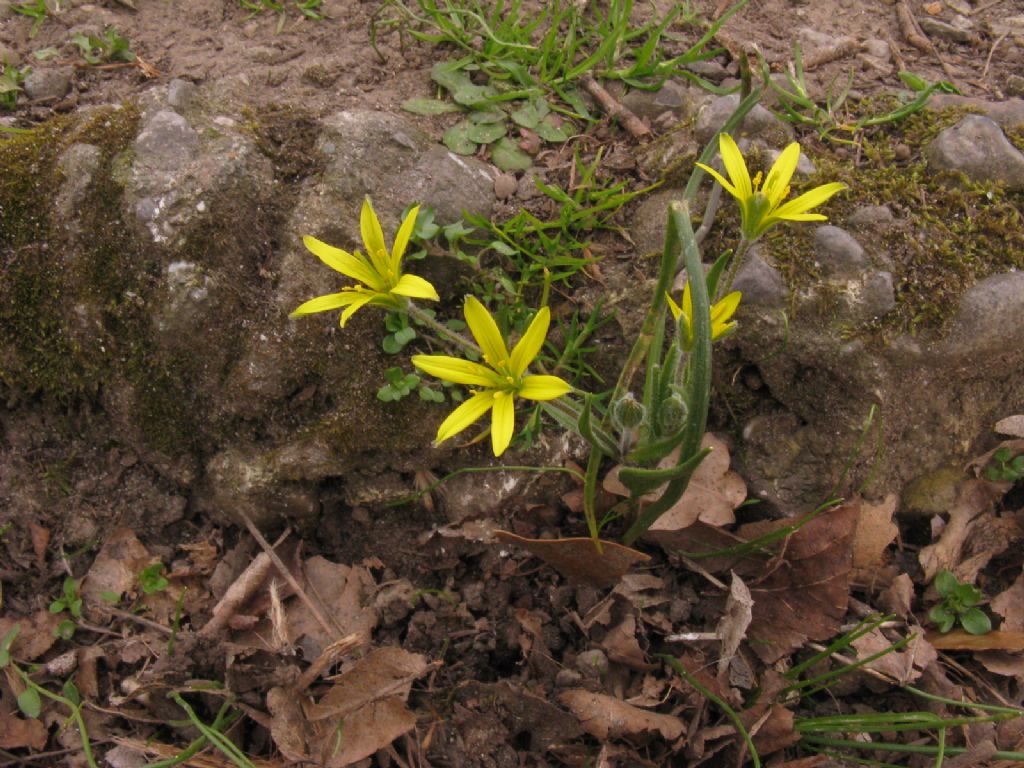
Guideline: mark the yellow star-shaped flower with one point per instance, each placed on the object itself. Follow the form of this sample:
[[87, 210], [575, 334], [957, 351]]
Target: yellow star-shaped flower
[[379, 273], [722, 311], [497, 383], [761, 208]]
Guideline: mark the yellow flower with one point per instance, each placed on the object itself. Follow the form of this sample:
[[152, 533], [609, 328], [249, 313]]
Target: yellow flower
[[380, 276], [498, 382], [721, 315], [762, 208]]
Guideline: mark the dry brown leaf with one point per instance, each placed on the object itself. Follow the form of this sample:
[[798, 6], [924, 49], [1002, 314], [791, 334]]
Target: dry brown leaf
[[622, 647], [116, 568], [711, 497], [578, 559], [1011, 426], [1010, 605], [363, 711], [606, 717], [699, 539], [35, 634], [40, 541], [775, 732], [958, 640], [732, 627], [898, 596], [805, 594], [875, 531], [344, 595], [973, 499], [1002, 663], [16, 732], [988, 539], [902, 666]]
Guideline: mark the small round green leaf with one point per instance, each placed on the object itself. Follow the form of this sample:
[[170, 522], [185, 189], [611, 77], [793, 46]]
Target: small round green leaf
[[976, 621], [507, 155], [457, 138], [29, 703], [485, 133]]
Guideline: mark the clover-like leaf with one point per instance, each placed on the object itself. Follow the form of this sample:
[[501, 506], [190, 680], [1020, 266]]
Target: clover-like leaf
[[976, 622]]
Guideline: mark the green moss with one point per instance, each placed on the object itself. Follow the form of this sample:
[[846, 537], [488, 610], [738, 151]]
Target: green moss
[[54, 282], [948, 234]]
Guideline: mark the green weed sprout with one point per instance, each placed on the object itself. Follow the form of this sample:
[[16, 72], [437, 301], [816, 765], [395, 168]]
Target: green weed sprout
[[11, 80], [959, 604], [108, 48], [1005, 467], [70, 601], [152, 579], [652, 422], [310, 9], [38, 11]]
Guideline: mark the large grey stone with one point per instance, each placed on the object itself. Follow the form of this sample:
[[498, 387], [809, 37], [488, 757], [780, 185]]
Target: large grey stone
[[78, 165], [978, 148], [759, 123], [839, 253], [989, 322], [760, 283], [48, 83]]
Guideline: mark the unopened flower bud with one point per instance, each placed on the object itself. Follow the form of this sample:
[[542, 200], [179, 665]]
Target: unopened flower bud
[[628, 412], [672, 413]]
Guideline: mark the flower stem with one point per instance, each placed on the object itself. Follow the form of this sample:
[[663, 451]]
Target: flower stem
[[444, 333], [738, 258]]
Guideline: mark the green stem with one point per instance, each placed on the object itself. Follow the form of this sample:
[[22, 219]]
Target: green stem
[[76, 712], [678, 667], [444, 333], [734, 267], [680, 231]]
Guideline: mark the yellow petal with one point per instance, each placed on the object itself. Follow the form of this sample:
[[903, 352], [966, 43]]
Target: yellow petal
[[779, 176], [674, 308], [728, 187], [360, 300], [465, 415], [543, 388], [326, 303], [735, 166], [486, 332], [415, 287], [348, 264], [373, 238], [457, 370], [402, 240], [808, 200], [503, 422], [530, 345], [725, 307]]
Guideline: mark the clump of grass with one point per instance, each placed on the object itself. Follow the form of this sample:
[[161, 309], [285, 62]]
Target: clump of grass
[[309, 9]]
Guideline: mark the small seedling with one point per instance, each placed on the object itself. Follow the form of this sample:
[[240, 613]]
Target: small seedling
[[70, 601], [959, 604], [36, 10], [308, 8], [400, 384], [11, 79], [111, 47], [1005, 467], [152, 580]]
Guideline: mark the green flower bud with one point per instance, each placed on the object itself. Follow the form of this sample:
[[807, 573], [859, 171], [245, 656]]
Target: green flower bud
[[628, 412], [672, 413]]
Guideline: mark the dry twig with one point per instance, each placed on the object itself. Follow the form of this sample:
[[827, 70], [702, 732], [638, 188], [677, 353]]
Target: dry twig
[[636, 127]]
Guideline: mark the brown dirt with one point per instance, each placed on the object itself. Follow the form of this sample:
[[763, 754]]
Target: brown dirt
[[508, 637]]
